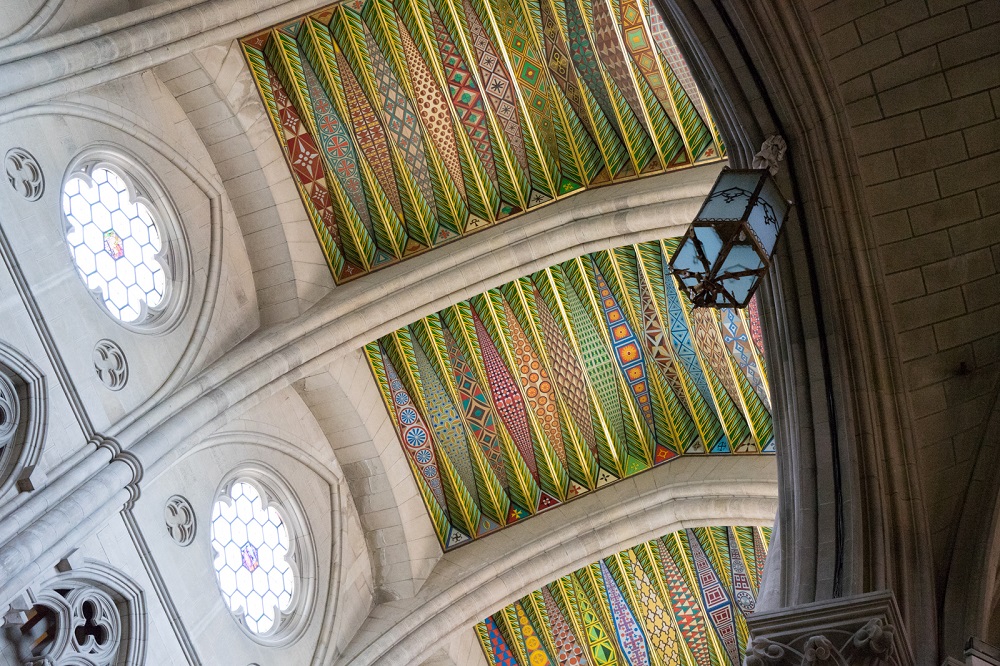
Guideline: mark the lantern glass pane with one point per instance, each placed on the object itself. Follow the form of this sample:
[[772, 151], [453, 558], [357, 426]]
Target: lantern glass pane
[[767, 216], [739, 259], [711, 244], [740, 287], [686, 259], [730, 196]]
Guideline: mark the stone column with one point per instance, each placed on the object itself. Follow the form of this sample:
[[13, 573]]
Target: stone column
[[862, 630]]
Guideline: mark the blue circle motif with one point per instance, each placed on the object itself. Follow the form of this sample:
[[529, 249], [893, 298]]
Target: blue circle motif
[[401, 398], [430, 471], [416, 436], [423, 456], [408, 416], [395, 385]]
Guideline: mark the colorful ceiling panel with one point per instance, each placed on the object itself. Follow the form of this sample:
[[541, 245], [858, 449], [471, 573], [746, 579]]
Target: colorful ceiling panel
[[551, 386], [680, 600], [409, 123]]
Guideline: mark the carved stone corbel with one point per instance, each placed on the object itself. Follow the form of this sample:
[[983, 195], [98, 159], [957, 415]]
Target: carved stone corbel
[[771, 152], [864, 630]]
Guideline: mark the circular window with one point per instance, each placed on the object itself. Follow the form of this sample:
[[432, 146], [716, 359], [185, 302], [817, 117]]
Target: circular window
[[123, 238], [259, 558]]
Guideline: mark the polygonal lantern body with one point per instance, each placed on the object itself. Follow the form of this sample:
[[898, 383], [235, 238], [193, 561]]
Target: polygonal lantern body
[[727, 249]]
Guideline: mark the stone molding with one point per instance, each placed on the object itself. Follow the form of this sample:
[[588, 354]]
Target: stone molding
[[863, 630], [21, 448]]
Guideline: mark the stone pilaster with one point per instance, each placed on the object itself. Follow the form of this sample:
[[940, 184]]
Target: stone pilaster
[[863, 630]]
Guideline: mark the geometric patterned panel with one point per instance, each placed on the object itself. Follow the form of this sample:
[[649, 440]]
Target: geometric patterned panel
[[410, 123], [672, 600], [548, 387]]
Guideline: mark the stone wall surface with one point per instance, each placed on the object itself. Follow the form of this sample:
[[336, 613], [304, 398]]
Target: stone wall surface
[[920, 84]]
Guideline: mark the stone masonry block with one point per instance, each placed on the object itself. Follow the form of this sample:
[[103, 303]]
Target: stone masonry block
[[986, 350], [931, 154], [933, 30], [973, 235], [912, 67], [983, 139], [974, 76], [840, 41], [958, 270], [943, 213], [917, 343], [878, 167], [857, 88], [915, 252], [835, 14], [967, 328], [983, 13], [888, 133], [989, 199], [969, 175], [917, 94], [865, 58], [904, 285], [929, 309], [902, 193], [891, 227], [938, 367], [982, 293], [863, 111], [970, 46], [890, 18]]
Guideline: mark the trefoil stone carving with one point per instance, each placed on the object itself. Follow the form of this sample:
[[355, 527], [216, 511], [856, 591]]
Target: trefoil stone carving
[[24, 174], [110, 364], [178, 514]]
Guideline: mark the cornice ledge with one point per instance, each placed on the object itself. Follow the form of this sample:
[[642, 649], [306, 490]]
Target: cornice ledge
[[862, 630]]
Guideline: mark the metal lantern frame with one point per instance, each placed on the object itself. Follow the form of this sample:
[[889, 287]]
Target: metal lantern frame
[[709, 290]]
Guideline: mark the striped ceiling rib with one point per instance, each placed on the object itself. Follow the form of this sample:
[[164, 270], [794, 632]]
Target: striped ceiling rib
[[410, 123], [553, 385]]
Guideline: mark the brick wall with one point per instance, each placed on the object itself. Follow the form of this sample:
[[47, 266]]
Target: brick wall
[[920, 80]]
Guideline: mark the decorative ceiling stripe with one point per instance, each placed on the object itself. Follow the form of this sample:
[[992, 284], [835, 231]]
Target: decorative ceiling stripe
[[636, 607], [432, 119], [555, 384]]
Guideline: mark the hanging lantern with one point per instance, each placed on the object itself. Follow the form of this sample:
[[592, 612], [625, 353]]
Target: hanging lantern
[[727, 249]]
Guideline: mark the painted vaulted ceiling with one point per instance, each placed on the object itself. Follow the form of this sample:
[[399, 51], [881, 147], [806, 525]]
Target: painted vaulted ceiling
[[680, 600], [551, 386], [409, 123]]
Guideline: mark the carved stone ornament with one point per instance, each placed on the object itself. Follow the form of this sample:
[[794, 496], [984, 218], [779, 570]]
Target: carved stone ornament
[[180, 519], [24, 174], [91, 617], [110, 364], [856, 631], [10, 409], [771, 152]]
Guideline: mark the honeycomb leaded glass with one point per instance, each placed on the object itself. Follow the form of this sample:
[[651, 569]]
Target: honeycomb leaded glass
[[251, 544], [115, 242]]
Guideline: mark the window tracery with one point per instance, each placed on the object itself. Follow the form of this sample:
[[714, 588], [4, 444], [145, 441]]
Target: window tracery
[[93, 616], [22, 421], [256, 560], [123, 238]]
